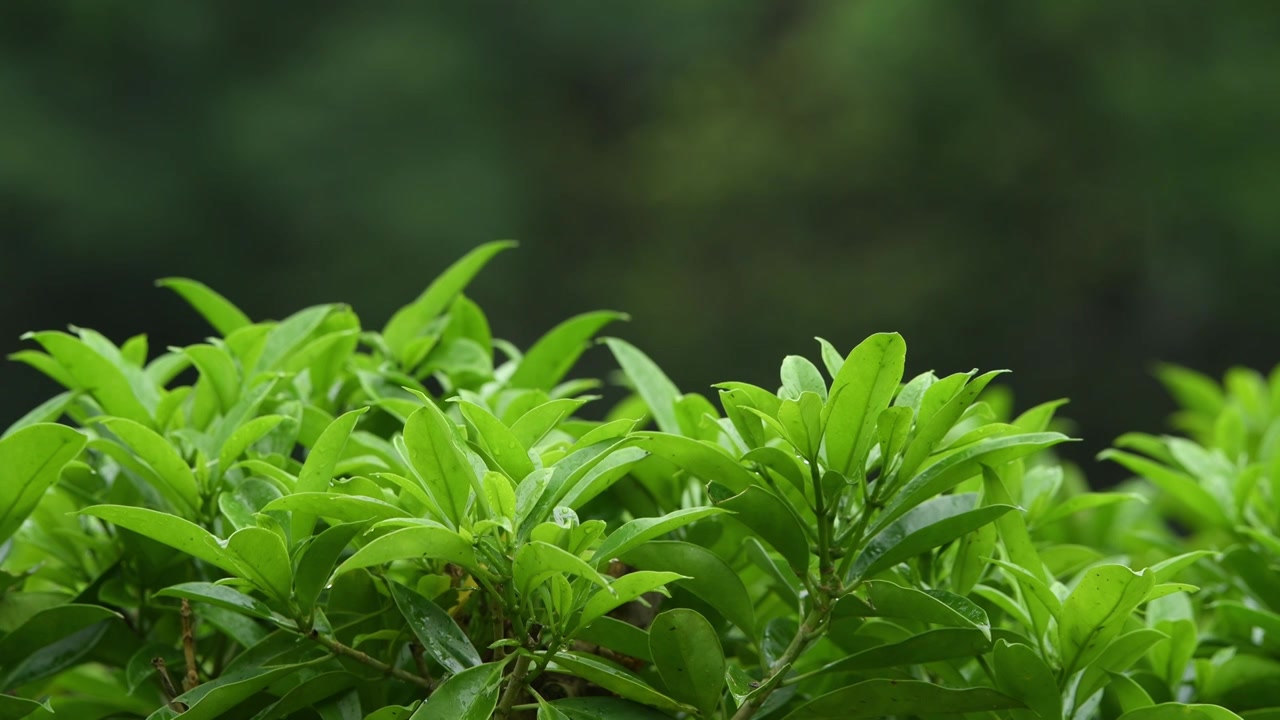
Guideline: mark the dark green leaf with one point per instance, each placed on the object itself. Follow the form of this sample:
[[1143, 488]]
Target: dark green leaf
[[711, 579], [899, 698], [686, 651], [934, 523], [440, 636]]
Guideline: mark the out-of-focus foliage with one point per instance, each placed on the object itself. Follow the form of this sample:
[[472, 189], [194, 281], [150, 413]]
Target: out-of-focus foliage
[[1095, 181]]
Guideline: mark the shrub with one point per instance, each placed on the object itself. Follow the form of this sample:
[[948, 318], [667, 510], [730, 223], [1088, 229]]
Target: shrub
[[305, 518]]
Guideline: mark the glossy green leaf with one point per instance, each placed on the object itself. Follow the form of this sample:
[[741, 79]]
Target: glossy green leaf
[[618, 636], [210, 700], [16, 708], [336, 506], [711, 579], [642, 530], [414, 542], [800, 375], [532, 426], [936, 607], [497, 439], [436, 457], [317, 560], [263, 559], [321, 462], [1022, 674], [20, 649], [615, 680], [46, 412], [412, 320], [221, 596], [1179, 711], [926, 647], [537, 561], [961, 465], [246, 435], [309, 693], [708, 462], [169, 530], [1096, 610], [659, 393], [469, 695], [768, 516], [224, 316], [624, 590], [31, 460], [884, 698], [934, 523], [440, 637], [179, 484], [121, 391], [686, 651], [866, 383], [605, 708], [555, 353]]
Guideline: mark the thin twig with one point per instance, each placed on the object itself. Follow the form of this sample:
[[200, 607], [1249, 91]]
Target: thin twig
[[419, 660], [338, 648], [166, 685], [192, 678]]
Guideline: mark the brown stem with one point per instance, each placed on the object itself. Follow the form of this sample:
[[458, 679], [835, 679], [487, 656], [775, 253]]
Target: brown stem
[[338, 648], [166, 685], [192, 678], [419, 661]]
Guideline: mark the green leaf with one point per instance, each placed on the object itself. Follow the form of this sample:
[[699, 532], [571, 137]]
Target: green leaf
[[1086, 501], [1181, 487], [708, 462], [1256, 572], [287, 337], [169, 530], [935, 523], [100, 377], [686, 651], [768, 516], [16, 708], [537, 561], [218, 368], [624, 590], [615, 680], [416, 541], [617, 635], [178, 482], [317, 560], [936, 607], [960, 465], [1096, 610], [439, 635], [799, 375], [223, 597], [210, 700], [642, 530], [531, 426], [321, 462], [336, 506], [469, 695], [1022, 674], [46, 412], [711, 579], [605, 708], [900, 698], [20, 651], [263, 559], [502, 445], [866, 383], [309, 693], [412, 320], [659, 393], [1179, 711], [436, 457], [225, 317], [244, 436], [555, 353], [31, 460], [926, 647]]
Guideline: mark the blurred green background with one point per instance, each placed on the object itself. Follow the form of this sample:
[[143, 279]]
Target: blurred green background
[[1070, 190]]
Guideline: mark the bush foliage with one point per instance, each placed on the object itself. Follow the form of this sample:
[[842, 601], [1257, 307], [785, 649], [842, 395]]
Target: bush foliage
[[307, 518]]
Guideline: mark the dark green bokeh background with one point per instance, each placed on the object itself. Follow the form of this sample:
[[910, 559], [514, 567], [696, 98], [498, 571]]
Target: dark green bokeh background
[[1070, 190]]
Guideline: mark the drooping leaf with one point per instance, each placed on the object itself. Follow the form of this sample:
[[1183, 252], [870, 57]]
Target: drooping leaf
[[615, 680], [768, 516], [169, 530], [208, 701], [708, 462], [936, 607], [934, 523], [929, 646], [416, 541], [336, 506], [223, 597]]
